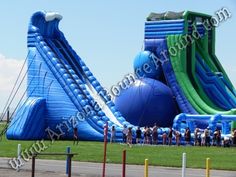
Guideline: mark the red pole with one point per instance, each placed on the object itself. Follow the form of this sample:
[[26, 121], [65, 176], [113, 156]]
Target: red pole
[[105, 149], [123, 163]]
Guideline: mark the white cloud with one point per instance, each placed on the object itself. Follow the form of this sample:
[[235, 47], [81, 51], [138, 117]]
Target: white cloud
[[9, 70]]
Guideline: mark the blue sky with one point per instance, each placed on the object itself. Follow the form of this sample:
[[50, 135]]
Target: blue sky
[[106, 34]]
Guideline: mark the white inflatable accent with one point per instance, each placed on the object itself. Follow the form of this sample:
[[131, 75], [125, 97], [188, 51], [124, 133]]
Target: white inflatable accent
[[138, 83], [50, 16]]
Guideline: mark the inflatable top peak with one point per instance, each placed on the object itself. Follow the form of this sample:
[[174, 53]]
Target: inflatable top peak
[[170, 15], [44, 22]]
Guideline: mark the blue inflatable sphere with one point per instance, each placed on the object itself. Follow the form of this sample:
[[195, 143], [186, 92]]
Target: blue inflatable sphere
[[146, 65], [146, 102]]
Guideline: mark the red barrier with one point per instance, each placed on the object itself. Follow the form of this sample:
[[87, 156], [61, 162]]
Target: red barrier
[[123, 163]]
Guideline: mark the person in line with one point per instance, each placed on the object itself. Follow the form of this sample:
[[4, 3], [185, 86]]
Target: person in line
[[155, 134], [203, 139], [177, 137], [138, 135], [187, 136], [113, 134], [234, 137], [129, 137], [214, 138], [145, 141], [149, 133], [196, 131], [218, 138], [207, 137], [199, 138], [226, 141], [164, 138], [75, 136], [170, 135], [125, 132]]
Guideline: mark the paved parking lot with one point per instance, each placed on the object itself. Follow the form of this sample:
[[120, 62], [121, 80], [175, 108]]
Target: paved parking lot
[[51, 168]]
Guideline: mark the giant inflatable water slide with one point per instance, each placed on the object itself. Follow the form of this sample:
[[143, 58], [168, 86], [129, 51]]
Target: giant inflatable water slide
[[61, 88]]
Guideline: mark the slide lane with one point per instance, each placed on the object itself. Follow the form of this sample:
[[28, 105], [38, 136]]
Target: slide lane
[[158, 46], [79, 87], [88, 89], [185, 83], [225, 87], [213, 86]]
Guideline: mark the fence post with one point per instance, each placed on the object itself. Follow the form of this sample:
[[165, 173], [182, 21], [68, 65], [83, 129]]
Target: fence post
[[208, 167], [69, 165], [184, 165], [33, 165], [146, 168], [19, 157], [19, 151], [67, 159], [105, 150], [123, 163]]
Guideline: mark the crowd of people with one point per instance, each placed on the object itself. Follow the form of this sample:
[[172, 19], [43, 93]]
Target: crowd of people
[[150, 135]]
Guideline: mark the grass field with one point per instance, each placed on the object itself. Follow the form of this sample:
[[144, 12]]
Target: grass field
[[222, 158]]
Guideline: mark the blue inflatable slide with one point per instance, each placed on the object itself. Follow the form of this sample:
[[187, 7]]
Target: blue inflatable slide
[[62, 93]]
